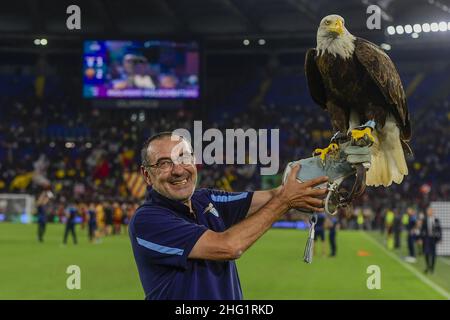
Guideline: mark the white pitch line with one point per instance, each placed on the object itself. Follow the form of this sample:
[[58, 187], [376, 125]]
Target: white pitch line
[[444, 260], [419, 275]]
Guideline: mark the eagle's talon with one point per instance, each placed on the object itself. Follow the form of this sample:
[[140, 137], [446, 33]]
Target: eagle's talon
[[332, 148], [321, 153], [339, 138], [362, 136]]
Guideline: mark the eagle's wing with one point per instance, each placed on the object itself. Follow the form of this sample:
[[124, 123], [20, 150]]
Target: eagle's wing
[[314, 79], [383, 72]]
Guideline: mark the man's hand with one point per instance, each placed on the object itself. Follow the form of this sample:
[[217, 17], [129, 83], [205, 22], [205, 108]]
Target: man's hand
[[303, 195], [233, 242]]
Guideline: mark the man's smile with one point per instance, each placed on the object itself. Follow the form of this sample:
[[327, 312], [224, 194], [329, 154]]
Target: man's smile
[[180, 182]]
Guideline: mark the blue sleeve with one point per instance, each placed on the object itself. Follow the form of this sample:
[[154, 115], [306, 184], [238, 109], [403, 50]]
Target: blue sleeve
[[232, 206], [162, 238]]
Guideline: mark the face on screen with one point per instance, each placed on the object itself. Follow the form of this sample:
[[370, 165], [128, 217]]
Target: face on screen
[[138, 69]]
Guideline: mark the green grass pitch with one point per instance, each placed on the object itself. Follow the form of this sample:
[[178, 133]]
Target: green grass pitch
[[271, 269]]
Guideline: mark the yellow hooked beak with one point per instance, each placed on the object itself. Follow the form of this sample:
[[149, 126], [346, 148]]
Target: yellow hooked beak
[[337, 27]]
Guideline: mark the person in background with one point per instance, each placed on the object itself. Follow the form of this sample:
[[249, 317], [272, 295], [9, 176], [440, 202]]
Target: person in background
[[419, 241], [107, 207], [60, 213], [360, 219], [397, 229], [389, 223], [411, 229], [117, 218], [405, 219], [319, 231], [381, 221], [82, 210], [71, 214], [129, 213], [368, 218], [333, 226], [92, 223], [100, 213], [431, 234], [42, 202], [124, 221]]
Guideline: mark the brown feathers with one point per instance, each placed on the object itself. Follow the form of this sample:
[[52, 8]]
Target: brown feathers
[[367, 83], [383, 72], [365, 86]]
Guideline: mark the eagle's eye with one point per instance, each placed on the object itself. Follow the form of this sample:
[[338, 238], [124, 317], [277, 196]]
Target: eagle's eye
[[327, 22]]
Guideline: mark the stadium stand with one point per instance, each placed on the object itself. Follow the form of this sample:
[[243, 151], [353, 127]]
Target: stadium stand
[[93, 154]]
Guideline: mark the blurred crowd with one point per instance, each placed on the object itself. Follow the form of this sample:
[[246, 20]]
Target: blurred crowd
[[100, 219], [82, 153]]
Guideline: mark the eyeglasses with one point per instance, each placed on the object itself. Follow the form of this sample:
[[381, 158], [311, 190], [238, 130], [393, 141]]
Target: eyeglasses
[[167, 164]]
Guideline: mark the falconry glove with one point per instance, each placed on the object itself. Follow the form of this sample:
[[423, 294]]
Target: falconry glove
[[349, 160], [357, 155]]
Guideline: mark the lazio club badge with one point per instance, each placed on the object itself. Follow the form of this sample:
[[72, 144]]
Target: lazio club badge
[[210, 208]]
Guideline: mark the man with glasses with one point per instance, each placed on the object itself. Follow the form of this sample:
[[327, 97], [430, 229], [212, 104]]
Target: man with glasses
[[185, 241]]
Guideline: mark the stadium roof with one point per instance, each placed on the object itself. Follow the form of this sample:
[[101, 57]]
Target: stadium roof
[[206, 17], [213, 20]]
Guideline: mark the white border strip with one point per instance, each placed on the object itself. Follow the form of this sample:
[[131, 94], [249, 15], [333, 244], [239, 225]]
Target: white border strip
[[419, 275]]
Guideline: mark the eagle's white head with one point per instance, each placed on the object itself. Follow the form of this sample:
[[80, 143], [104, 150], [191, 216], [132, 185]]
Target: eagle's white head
[[333, 37]]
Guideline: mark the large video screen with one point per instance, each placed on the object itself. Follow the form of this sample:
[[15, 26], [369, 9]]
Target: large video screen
[[141, 69]]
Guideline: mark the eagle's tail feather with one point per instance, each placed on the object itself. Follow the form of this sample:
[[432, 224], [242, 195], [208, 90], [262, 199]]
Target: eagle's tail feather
[[388, 159], [407, 148]]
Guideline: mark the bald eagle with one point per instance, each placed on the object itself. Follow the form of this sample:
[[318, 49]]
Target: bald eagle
[[356, 81]]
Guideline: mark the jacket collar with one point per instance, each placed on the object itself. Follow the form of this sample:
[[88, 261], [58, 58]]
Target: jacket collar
[[158, 199]]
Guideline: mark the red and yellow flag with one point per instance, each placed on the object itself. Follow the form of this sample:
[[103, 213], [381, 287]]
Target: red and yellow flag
[[135, 184]]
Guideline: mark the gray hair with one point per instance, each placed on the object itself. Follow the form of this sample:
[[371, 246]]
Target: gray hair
[[145, 161]]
